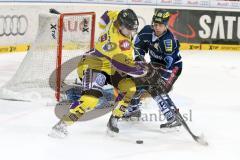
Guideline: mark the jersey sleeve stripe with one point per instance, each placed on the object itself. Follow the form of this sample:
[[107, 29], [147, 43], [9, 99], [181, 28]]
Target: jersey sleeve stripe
[[105, 18]]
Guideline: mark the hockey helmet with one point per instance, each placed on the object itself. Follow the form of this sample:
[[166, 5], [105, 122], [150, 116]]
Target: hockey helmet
[[128, 19], [161, 16]]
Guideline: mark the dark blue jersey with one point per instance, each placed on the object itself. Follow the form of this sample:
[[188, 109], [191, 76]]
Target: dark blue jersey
[[163, 50]]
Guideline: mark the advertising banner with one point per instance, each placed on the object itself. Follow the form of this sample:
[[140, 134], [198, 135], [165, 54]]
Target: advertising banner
[[205, 27], [84, 1], [196, 29], [170, 2], [146, 2], [225, 4], [197, 3], [113, 1]]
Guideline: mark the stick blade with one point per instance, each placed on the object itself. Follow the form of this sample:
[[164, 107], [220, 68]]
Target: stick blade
[[201, 140]]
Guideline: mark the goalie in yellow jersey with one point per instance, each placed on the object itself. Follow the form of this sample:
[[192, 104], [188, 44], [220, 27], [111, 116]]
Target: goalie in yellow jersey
[[110, 62]]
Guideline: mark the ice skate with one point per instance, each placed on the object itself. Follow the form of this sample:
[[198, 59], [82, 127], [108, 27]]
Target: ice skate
[[133, 114], [112, 126], [171, 124], [59, 130], [133, 111]]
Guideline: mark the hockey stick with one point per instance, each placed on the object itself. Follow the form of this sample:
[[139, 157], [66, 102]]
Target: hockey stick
[[198, 139], [53, 11]]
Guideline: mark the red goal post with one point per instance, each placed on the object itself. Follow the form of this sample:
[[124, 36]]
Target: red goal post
[[60, 43]]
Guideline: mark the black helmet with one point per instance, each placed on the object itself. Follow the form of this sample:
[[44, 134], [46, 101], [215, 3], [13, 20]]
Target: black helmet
[[128, 19], [161, 16]]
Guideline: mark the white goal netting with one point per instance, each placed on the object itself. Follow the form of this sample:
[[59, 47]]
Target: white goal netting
[[53, 57]]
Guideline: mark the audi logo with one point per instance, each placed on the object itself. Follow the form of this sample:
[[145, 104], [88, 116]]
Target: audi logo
[[13, 25]]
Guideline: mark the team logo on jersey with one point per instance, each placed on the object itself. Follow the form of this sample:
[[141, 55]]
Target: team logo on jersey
[[124, 45], [152, 53], [168, 45], [109, 46], [169, 61], [103, 38], [156, 45]]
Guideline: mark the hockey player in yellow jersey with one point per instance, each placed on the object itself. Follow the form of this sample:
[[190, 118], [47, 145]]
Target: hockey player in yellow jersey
[[110, 62]]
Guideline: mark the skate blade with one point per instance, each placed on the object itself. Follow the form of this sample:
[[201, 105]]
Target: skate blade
[[201, 140], [170, 130], [127, 119], [111, 133], [57, 135]]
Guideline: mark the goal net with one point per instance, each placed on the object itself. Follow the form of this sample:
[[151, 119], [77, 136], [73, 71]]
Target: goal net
[[52, 59]]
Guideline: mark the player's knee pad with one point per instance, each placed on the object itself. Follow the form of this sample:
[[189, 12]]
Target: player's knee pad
[[127, 85], [92, 90]]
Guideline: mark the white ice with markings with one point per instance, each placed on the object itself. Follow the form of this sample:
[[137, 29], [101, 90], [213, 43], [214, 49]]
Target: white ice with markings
[[207, 93]]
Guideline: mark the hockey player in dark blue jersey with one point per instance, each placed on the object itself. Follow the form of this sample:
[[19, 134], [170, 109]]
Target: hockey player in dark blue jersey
[[163, 48]]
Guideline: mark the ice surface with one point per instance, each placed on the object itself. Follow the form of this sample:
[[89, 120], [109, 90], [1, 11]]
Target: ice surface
[[208, 90]]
